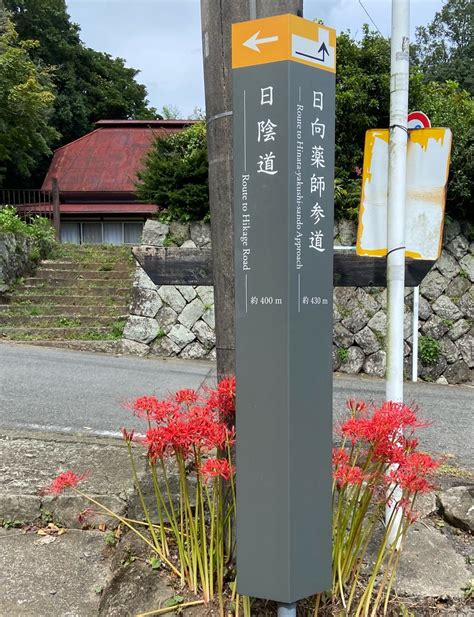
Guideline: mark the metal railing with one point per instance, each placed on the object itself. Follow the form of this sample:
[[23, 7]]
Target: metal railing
[[35, 202], [28, 202]]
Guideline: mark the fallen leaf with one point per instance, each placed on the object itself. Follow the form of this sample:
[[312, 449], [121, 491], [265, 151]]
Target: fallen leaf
[[61, 531], [42, 532], [102, 527]]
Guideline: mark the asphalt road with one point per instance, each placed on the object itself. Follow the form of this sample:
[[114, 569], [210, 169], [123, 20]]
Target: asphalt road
[[62, 390]]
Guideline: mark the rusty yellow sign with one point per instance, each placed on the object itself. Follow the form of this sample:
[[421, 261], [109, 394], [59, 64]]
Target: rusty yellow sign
[[283, 37], [428, 158]]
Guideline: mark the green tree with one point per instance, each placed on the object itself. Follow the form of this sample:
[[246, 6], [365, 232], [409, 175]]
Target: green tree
[[448, 105], [445, 48], [362, 95], [175, 176], [170, 112], [26, 104], [90, 85]]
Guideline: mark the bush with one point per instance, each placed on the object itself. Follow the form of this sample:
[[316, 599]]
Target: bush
[[175, 176], [428, 350], [38, 229]]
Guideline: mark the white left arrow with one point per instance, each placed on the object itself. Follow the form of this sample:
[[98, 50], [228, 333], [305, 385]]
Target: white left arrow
[[253, 42]]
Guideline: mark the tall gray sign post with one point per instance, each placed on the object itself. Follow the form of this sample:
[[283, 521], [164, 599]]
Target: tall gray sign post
[[284, 109]]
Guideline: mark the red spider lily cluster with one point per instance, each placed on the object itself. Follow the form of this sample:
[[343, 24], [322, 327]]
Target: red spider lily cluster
[[188, 422], [68, 479], [380, 449], [377, 464]]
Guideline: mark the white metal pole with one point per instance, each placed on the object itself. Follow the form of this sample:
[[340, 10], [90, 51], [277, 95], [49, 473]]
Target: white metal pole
[[396, 217], [287, 610], [416, 308]]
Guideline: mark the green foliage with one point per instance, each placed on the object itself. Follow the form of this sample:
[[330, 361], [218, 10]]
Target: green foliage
[[170, 112], [26, 103], [38, 229], [347, 197], [362, 95], [110, 539], [343, 354], [445, 47], [428, 350], [363, 100], [175, 176], [447, 105], [89, 85]]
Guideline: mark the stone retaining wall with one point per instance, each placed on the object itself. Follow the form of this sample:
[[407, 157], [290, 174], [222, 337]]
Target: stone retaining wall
[[15, 258], [179, 320]]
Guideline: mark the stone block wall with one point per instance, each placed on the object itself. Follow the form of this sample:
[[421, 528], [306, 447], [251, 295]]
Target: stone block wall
[[15, 258], [171, 320], [179, 320]]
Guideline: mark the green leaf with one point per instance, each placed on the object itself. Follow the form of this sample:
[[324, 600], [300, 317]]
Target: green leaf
[[155, 563], [174, 601]]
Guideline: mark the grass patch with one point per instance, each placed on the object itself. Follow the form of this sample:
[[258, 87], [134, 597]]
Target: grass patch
[[68, 322]]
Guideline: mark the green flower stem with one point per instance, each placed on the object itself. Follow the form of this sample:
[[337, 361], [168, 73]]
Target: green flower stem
[[194, 541], [159, 505], [142, 498]]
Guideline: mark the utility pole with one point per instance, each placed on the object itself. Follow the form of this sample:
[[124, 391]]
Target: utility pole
[[399, 79], [217, 17]]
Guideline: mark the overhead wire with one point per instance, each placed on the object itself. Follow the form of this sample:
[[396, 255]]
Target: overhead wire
[[370, 17]]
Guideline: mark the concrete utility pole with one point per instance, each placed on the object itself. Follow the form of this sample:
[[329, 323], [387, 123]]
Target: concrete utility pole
[[217, 17], [396, 214]]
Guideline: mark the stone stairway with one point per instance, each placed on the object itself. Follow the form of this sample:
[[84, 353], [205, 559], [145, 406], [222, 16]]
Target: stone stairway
[[79, 299]]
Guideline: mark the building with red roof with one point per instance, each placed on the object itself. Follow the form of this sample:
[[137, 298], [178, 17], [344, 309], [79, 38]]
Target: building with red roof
[[96, 177]]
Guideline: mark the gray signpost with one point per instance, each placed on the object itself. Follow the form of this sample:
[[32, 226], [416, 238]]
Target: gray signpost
[[284, 108]]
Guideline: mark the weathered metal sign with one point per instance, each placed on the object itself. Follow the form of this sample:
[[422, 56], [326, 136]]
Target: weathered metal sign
[[284, 108], [428, 158]]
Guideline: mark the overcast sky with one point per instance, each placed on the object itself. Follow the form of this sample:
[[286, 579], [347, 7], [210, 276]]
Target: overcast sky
[[162, 38]]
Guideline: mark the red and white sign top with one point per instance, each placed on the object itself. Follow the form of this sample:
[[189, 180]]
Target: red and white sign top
[[418, 120]]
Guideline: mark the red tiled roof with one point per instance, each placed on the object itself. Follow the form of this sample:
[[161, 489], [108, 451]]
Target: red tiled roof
[[108, 158]]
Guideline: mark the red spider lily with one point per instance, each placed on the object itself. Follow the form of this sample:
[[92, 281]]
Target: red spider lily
[[157, 441], [68, 479], [356, 407], [150, 408], [339, 456], [127, 435], [411, 475], [223, 398], [84, 515], [198, 429], [355, 429], [347, 474], [381, 429], [186, 396], [217, 468]]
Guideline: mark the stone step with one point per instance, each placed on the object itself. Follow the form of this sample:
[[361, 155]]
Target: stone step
[[87, 275], [77, 333], [55, 321], [15, 310], [118, 266], [69, 283], [52, 291], [112, 298]]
